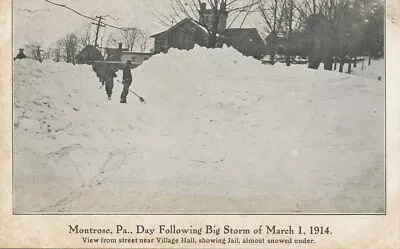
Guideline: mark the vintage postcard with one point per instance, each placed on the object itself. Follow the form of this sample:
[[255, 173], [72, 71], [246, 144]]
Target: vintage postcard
[[200, 123]]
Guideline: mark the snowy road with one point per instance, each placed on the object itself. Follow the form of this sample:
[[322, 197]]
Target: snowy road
[[226, 136]]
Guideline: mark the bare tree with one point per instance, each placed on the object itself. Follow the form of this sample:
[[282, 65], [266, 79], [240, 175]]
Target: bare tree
[[46, 54], [86, 37], [330, 9], [57, 54], [130, 38], [337, 33], [34, 50], [373, 17], [69, 47], [144, 40], [56, 51], [214, 19], [272, 13], [288, 8], [111, 41], [314, 22], [108, 39]]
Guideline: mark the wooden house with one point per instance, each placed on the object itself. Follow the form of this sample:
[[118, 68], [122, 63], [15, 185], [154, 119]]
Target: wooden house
[[135, 57], [119, 56], [182, 35], [245, 40], [187, 32], [88, 54], [114, 54]]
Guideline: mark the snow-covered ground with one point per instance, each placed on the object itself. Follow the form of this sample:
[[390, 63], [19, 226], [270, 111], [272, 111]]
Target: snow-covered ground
[[373, 71], [220, 133]]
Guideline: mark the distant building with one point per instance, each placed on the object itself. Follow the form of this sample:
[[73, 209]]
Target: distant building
[[135, 57], [88, 54], [114, 54], [117, 58], [187, 32], [281, 43], [123, 55], [182, 35], [246, 40]]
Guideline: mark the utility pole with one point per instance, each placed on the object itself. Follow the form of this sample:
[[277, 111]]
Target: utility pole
[[98, 24]]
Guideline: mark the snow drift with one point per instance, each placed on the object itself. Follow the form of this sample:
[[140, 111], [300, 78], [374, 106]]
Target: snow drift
[[220, 133]]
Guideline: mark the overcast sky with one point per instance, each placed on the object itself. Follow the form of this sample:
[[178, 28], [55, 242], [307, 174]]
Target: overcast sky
[[37, 20]]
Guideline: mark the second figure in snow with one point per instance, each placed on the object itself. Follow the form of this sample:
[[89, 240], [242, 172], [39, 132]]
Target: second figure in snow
[[126, 80], [109, 75]]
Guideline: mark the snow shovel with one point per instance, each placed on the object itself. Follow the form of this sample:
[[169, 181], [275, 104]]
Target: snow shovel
[[140, 98]]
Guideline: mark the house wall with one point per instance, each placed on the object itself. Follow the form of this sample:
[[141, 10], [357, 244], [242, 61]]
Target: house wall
[[299, 46], [161, 43], [248, 45], [88, 54], [113, 54], [135, 57], [201, 38]]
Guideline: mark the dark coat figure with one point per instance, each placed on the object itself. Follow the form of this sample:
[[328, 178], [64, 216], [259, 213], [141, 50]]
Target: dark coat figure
[[126, 81], [20, 55], [108, 78], [99, 70]]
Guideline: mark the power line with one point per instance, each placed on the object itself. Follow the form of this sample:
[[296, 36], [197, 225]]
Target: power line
[[85, 16]]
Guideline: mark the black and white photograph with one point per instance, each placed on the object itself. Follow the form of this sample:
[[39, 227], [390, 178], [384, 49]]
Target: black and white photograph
[[198, 107]]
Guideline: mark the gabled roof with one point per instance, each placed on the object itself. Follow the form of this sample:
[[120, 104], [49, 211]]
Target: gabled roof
[[90, 52], [237, 33], [86, 49], [229, 34], [200, 26], [179, 24]]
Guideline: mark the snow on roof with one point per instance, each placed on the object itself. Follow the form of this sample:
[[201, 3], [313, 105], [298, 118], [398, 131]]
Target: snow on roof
[[200, 26], [180, 23]]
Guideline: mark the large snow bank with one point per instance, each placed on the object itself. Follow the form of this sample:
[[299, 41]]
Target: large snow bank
[[219, 130]]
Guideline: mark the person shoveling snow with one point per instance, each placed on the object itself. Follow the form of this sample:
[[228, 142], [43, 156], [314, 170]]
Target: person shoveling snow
[[126, 81]]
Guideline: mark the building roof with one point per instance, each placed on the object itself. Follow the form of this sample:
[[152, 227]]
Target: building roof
[[89, 52], [230, 34], [240, 33], [179, 24]]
